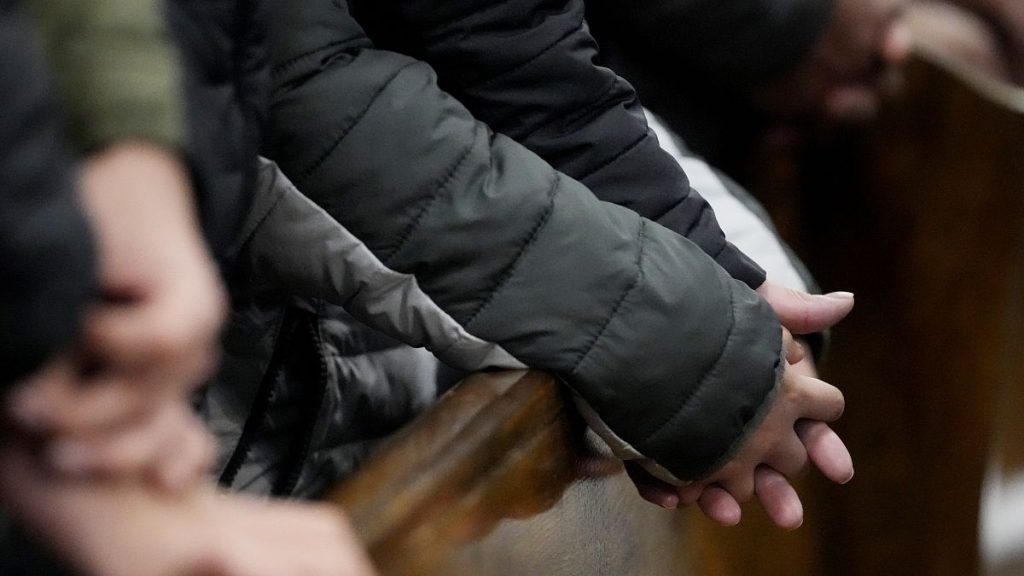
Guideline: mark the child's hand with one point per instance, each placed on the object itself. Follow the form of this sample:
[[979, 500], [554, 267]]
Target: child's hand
[[773, 490], [793, 434]]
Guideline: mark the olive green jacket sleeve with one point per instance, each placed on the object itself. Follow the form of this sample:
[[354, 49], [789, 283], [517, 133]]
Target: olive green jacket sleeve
[[117, 67]]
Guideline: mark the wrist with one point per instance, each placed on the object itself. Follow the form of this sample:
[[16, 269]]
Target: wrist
[[136, 168]]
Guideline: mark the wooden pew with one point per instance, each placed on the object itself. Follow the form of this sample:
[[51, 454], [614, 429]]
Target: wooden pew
[[921, 214], [501, 477]]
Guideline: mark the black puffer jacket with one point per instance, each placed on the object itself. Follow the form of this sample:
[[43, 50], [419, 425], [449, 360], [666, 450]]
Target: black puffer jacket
[[224, 53], [46, 251], [526, 69], [673, 358]]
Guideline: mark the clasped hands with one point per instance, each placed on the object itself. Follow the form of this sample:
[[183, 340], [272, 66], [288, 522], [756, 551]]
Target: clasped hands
[[794, 434], [103, 457]]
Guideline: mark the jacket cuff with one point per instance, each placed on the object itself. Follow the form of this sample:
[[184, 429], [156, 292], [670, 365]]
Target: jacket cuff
[[718, 417], [740, 266]]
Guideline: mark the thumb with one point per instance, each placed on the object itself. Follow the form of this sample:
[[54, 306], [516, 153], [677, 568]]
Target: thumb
[[803, 313]]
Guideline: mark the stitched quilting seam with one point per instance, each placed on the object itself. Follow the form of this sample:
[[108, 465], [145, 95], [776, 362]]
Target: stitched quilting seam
[[439, 189], [625, 150], [527, 62], [280, 68], [641, 250], [685, 401], [355, 122], [531, 239], [694, 222]]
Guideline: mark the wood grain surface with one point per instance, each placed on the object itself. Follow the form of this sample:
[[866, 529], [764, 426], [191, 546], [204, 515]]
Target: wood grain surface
[[501, 477]]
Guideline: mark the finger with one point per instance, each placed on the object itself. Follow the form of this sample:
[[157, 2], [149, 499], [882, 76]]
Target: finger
[[790, 457], [171, 448], [826, 450], [691, 493], [818, 400], [805, 367], [720, 506], [740, 486], [803, 313], [855, 103], [120, 452], [778, 498], [794, 351], [99, 405], [32, 403], [137, 337], [650, 488]]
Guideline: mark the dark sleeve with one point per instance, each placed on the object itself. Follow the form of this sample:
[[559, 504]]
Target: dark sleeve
[[736, 43], [46, 253], [527, 70], [677, 358]]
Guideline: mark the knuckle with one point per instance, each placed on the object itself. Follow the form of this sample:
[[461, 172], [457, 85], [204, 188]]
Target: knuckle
[[794, 393]]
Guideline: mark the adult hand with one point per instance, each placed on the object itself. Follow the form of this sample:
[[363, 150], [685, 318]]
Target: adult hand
[[803, 313], [125, 529], [854, 65], [150, 340]]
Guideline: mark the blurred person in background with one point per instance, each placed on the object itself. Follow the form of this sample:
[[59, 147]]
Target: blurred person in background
[[718, 73], [107, 334]]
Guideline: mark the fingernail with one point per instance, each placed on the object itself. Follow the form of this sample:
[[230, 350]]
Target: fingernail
[[848, 478], [69, 457], [840, 295]]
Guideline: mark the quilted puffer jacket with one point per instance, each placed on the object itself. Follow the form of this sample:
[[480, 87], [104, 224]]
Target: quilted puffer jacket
[[526, 69], [311, 427], [674, 359]]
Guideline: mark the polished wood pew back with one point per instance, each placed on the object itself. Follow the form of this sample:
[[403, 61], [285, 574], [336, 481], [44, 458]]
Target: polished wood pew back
[[501, 477]]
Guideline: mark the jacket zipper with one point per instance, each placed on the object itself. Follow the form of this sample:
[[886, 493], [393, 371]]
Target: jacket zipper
[[310, 414], [261, 404]]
